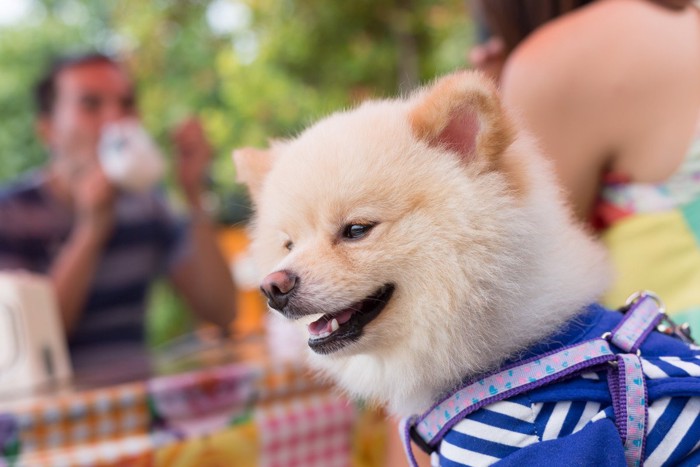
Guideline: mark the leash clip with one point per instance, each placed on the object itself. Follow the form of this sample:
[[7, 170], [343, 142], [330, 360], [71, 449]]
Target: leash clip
[[681, 331]]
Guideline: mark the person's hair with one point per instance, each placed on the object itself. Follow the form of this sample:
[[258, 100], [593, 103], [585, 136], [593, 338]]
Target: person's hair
[[45, 87], [513, 21]]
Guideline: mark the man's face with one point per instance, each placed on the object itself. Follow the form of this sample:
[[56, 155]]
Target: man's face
[[88, 96]]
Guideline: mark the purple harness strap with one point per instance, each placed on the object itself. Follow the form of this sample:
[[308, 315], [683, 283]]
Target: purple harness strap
[[638, 322], [629, 394], [626, 381]]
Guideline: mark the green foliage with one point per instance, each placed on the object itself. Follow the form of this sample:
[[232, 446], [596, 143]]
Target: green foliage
[[167, 316], [283, 64], [23, 52]]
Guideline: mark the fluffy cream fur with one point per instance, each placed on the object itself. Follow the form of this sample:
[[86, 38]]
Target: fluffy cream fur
[[471, 228]]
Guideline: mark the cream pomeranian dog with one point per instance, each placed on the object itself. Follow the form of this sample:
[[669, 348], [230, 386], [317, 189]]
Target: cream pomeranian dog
[[418, 241]]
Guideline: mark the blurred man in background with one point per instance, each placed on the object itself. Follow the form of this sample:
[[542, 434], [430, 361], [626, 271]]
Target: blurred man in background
[[102, 246]]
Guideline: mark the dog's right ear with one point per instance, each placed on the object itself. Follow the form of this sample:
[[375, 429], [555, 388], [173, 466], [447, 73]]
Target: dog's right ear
[[462, 112], [252, 167]]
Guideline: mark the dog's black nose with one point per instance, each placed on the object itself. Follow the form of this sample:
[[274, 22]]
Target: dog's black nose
[[278, 287]]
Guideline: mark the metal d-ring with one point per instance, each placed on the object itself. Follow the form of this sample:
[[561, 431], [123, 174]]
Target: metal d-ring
[[646, 293], [681, 331]]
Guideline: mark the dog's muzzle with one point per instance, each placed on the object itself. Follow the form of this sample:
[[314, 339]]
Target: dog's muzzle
[[278, 287]]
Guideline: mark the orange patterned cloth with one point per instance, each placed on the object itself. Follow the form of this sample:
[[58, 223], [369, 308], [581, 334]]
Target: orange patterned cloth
[[258, 413]]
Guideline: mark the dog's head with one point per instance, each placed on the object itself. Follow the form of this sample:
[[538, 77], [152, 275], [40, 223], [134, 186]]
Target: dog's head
[[401, 229]]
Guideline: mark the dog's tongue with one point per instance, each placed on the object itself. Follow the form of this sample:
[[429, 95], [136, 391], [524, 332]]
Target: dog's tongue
[[323, 324]]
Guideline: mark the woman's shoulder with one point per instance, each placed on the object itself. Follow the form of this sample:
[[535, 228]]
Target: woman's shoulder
[[603, 47]]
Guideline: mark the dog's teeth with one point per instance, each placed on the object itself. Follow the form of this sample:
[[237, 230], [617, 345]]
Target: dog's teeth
[[324, 334], [334, 325]]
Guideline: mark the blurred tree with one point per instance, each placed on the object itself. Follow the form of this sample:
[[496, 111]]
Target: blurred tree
[[250, 69], [23, 52]]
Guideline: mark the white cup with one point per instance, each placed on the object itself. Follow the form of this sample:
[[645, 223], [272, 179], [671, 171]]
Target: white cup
[[129, 156]]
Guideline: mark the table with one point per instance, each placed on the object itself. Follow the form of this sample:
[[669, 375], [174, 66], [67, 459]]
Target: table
[[247, 401], [228, 403]]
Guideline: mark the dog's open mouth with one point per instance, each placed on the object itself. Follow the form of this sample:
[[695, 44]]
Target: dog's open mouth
[[335, 330]]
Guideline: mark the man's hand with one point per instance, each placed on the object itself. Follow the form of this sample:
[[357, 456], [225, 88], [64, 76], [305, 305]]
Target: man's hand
[[202, 277], [81, 177], [193, 155], [93, 197], [72, 272]]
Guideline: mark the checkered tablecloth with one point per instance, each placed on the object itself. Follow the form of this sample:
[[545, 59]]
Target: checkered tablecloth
[[56, 423], [311, 431], [257, 413]]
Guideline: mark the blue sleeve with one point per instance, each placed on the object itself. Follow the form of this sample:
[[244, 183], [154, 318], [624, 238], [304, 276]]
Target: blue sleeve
[[598, 444]]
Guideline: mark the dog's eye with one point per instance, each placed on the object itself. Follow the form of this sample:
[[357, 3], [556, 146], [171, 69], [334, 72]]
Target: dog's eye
[[355, 231], [289, 245]]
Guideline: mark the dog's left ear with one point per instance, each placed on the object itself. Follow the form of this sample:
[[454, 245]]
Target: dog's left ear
[[252, 167], [462, 113]]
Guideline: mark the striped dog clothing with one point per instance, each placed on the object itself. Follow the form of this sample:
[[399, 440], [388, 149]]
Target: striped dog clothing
[[607, 390]]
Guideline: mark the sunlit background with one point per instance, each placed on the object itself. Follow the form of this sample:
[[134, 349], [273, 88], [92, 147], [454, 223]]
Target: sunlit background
[[251, 70]]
